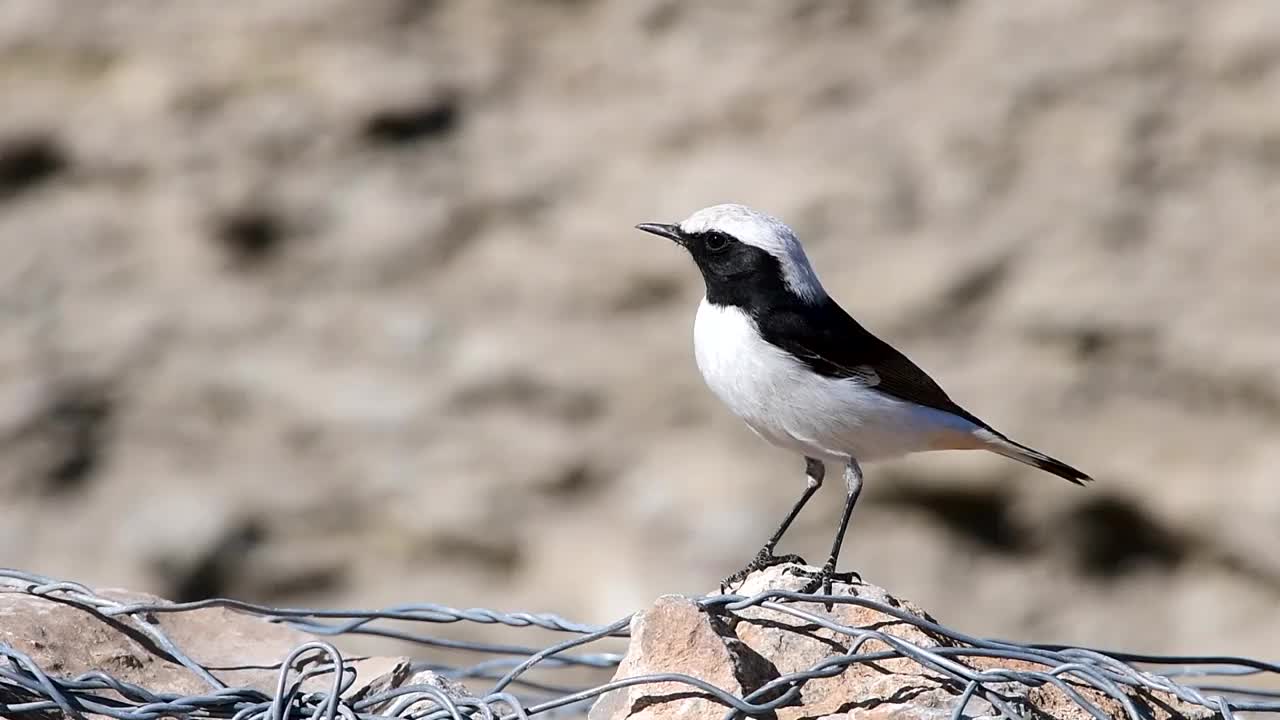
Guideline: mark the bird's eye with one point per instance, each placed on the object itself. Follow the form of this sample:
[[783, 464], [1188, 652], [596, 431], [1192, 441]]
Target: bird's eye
[[716, 241]]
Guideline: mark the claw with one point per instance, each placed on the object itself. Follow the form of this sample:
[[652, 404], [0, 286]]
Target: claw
[[763, 559], [823, 579]]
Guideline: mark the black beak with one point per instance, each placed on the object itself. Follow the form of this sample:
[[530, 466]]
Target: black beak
[[670, 232]]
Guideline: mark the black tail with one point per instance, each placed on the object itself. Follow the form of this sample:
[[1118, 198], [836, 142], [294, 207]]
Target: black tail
[[1010, 449]]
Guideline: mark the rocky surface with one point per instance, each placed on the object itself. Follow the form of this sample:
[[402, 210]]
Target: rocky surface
[[741, 651], [738, 651], [338, 301], [66, 640]]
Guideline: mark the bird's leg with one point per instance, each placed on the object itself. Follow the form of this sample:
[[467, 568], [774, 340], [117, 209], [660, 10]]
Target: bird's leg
[[852, 487], [815, 471]]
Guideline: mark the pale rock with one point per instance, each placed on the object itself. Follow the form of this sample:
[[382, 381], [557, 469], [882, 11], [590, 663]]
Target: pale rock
[[242, 650], [740, 651]]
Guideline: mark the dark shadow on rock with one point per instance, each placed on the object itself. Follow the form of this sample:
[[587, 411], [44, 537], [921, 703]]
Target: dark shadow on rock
[[575, 482], [900, 696], [72, 430], [27, 161], [810, 631], [81, 416], [751, 669], [983, 515], [648, 701], [399, 126], [250, 237], [1109, 536], [215, 573]]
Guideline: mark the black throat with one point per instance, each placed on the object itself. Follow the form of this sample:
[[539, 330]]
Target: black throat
[[750, 279], [746, 277]]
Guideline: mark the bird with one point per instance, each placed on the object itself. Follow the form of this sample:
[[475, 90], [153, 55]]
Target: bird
[[786, 359]]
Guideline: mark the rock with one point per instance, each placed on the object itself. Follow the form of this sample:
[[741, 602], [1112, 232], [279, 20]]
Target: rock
[[244, 651], [423, 679], [740, 651], [674, 636]]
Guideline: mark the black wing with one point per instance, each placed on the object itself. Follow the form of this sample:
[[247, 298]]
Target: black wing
[[833, 344]]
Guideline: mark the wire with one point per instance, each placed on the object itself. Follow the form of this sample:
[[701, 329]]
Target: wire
[[1082, 675]]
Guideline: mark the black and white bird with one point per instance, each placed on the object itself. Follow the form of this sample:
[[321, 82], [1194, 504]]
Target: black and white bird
[[804, 375]]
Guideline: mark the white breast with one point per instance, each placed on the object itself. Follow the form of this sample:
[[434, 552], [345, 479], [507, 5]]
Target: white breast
[[792, 407]]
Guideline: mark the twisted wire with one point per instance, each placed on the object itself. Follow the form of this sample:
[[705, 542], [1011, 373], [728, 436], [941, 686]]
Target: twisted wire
[[26, 690]]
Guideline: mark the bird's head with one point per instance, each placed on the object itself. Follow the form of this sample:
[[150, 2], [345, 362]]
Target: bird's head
[[743, 254]]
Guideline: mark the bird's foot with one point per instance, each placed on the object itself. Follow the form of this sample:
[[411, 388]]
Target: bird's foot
[[763, 559], [823, 579]]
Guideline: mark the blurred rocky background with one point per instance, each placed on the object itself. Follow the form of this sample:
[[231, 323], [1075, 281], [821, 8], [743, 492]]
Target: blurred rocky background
[[337, 302]]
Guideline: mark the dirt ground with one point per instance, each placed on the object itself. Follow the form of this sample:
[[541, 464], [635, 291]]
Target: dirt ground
[[339, 302]]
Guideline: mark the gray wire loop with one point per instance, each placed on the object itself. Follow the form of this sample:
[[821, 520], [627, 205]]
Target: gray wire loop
[[521, 681]]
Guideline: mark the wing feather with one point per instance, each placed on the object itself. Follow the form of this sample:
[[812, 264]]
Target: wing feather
[[832, 343]]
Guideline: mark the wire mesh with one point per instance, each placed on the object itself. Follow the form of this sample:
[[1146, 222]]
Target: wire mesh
[[517, 682]]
